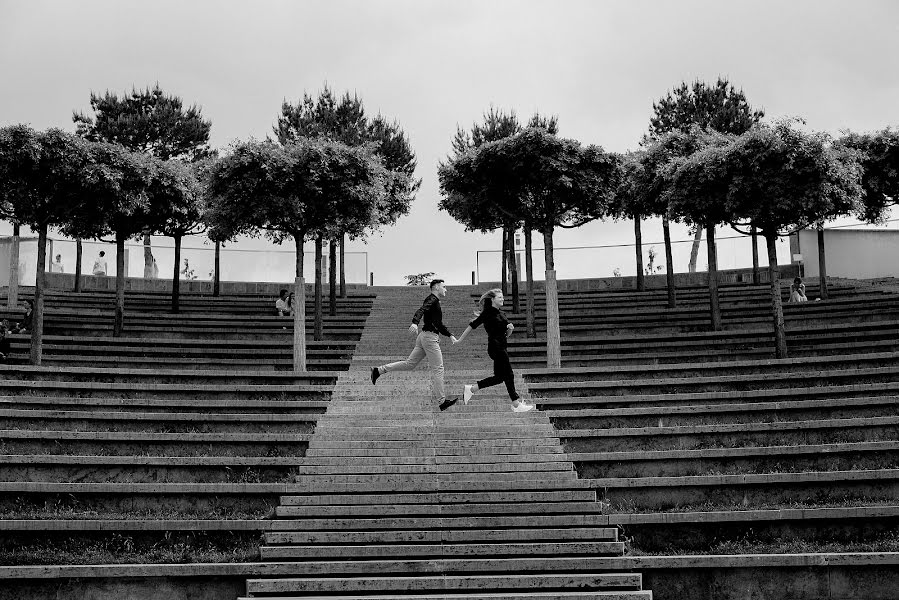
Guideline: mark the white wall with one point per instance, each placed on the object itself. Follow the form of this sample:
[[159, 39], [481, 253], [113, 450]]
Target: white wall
[[856, 253]]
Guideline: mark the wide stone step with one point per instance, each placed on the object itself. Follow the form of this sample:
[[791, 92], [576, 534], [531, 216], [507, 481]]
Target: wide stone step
[[447, 583], [61, 420], [433, 536], [723, 397], [730, 434], [73, 375], [490, 459], [669, 416], [123, 443], [186, 404], [438, 498], [800, 457], [441, 550], [723, 383], [661, 493], [472, 509], [597, 595], [406, 452], [444, 469], [466, 523], [163, 390]]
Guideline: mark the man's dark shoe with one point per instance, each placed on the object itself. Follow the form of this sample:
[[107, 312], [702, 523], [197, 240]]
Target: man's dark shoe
[[375, 373], [447, 403]]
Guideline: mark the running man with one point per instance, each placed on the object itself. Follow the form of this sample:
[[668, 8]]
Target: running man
[[427, 343]]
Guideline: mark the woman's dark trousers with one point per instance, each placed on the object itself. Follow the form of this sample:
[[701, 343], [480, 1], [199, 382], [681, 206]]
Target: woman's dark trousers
[[502, 372]]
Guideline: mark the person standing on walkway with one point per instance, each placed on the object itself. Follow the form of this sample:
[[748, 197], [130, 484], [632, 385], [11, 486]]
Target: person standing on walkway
[[100, 264], [498, 329], [427, 343]]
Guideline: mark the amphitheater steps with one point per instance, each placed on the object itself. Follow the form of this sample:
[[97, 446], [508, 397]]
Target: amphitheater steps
[[393, 483]]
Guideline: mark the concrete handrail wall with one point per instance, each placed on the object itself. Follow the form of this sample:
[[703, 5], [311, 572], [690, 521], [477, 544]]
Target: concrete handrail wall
[[658, 281]]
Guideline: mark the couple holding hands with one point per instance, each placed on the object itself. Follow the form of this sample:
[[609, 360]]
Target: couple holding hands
[[427, 344]]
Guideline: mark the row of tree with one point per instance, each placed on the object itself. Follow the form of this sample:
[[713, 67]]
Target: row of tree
[[333, 173], [768, 180]]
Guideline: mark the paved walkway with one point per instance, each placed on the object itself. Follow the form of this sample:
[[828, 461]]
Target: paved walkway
[[474, 489]]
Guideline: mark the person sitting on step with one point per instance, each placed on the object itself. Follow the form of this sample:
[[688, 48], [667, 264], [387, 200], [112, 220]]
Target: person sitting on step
[[282, 304], [24, 326], [797, 291]]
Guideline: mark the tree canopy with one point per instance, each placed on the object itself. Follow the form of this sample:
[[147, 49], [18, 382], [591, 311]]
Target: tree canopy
[[148, 121], [878, 154], [720, 107], [344, 120], [297, 191], [775, 178]]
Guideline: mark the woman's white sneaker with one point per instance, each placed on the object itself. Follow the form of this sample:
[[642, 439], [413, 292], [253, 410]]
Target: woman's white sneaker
[[522, 406], [466, 394]]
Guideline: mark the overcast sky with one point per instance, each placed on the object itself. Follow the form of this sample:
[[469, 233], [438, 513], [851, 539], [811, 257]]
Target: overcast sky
[[598, 65]]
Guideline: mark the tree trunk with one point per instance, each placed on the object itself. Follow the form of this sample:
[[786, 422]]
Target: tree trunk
[[756, 274], [217, 273], [78, 258], [714, 306], [780, 335], [12, 297], [299, 311], [694, 251], [553, 337], [119, 324], [669, 264], [513, 272], [638, 247], [822, 266], [37, 311], [332, 277], [504, 286], [343, 265], [529, 273], [318, 288], [148, 257], [176, 278]]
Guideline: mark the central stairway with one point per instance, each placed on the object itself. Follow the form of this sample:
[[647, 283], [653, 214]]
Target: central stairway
[[400, 500]]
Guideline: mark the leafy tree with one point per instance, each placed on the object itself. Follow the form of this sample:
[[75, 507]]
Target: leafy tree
[[123, 201], [642, 186], [176, 206], [42, 177], [775, 178], [538, 179], [497, 124], [151, 122], [699, 199], [878, 154], [54, 179], [298, 191], [719, 107], [344, 120], [419, 278]]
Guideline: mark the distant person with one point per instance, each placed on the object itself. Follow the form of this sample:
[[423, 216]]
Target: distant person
[[427, 343], [100, 264], [24, 326], [291, 298], [498, 328], [797, 291], [56, 265], [154, 269], [282, 304], [4, 341]]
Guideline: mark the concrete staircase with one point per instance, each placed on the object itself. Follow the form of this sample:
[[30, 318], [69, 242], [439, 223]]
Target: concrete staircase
[[399, 500]]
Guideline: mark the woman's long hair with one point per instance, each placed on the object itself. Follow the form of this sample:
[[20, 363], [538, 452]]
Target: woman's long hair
[[486, 297]]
